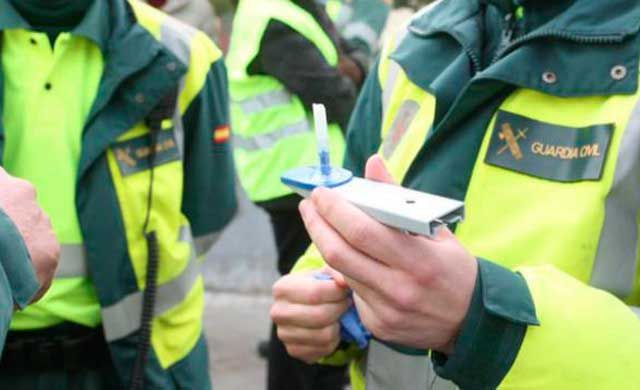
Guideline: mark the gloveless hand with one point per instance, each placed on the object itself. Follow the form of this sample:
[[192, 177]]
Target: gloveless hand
[[307, 312], [408, 289], [18, 200]]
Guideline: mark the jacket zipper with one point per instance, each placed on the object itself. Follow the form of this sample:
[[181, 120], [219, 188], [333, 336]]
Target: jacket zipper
[[580, 39]]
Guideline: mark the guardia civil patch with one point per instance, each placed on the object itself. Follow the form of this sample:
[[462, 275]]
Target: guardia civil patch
[[548, 151], [132, 155]]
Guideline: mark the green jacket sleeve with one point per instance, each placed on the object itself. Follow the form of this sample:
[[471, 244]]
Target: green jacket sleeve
[[209, 192], [18, 282]]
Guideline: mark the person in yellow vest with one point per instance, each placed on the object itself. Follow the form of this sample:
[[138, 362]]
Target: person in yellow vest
[[285, 55], [29, 251], [529, 111], [118, 115]]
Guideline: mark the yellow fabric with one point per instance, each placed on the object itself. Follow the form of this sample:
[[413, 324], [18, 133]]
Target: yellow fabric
[[259, 170], [176, 331], [405, 91], [548, 231], [43, 143], [567, 218], [180, 328], [588, 338]]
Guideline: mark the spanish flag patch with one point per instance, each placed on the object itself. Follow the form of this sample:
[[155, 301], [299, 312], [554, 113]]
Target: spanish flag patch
[[221, 134]]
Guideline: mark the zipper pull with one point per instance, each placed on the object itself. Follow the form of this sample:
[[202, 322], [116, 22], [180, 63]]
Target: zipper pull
[[508, 30], [506, 37]]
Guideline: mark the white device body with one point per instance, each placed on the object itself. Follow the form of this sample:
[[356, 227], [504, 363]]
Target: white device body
[[398, 207]]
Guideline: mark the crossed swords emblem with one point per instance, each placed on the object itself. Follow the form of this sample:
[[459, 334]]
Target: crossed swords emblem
[[508, 135]]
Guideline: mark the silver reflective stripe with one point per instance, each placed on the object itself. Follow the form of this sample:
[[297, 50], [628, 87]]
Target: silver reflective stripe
[[391, 370], [123, 318], [73, 262], [268, 140], [363, 32], [616, 262], [177, 37], [264, 101], [204, 243], [388, 87], [201, 243], [635, 310]]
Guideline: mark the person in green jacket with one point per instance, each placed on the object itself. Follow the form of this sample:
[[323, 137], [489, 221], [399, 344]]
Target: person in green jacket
[[29, 251], [529, 111], [118, 115]]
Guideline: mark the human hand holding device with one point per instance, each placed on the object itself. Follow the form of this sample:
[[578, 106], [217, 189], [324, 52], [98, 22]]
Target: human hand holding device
[[18, 200]]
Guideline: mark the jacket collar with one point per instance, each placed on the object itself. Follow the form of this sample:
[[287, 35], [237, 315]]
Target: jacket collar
[[580, 18], [581, 43]]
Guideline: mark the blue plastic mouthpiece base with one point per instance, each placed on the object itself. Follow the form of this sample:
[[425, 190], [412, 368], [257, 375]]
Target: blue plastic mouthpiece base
[[309, 178]]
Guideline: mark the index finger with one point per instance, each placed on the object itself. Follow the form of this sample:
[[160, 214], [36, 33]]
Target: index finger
[[387, 245]]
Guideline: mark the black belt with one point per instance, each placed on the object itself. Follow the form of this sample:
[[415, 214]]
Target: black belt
[[65, 347]]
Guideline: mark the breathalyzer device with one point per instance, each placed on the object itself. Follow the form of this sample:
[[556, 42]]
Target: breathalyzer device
[[400, 208]]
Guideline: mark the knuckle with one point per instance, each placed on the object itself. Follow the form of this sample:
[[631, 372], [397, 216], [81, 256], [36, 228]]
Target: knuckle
[[424, 275], [322, 316], [327, 336], [332, 256], [314, 296], [390, 321], [296, 352], [276, 313], [406, 299], [359, 234]]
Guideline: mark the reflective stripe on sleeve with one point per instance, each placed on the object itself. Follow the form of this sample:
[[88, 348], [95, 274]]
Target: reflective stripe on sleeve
[[388, 369], [201, 243], [177, 39], [123, 318], [269, 140], [264, 101], [615, 265], [73, 262], [636, 311]]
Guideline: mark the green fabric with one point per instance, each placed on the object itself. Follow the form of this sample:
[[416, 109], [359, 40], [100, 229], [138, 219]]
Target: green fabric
[[500, 311], [549, 151], [44, 115], [81, 17], [211, 167], [139, 65], [580, 45], [15, 262]]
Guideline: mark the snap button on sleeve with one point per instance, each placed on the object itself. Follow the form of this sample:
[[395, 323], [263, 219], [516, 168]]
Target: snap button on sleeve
[[549, 77], [619, 72]]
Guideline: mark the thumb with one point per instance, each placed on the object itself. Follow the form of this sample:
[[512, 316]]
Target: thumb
[[337, 277], [377, 171]]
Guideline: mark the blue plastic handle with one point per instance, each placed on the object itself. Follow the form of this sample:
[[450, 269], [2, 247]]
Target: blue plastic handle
[[352, 330]]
